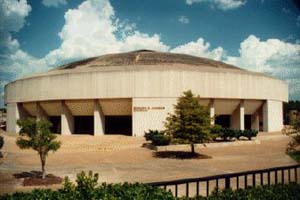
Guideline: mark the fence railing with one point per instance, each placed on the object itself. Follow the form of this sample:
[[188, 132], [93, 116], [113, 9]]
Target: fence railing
[[204, 185]]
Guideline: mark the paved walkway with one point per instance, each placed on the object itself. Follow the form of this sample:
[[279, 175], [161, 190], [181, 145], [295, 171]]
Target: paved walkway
[[122, 158]]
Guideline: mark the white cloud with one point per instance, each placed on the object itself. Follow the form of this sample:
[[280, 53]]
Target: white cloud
[[12, 14], [143, 41], [272, 56], [54, 3], [21, 63], [220, 4], [12, 19], [200, 48], [98, 36], [13, 61], [183, 19], [260, 55]]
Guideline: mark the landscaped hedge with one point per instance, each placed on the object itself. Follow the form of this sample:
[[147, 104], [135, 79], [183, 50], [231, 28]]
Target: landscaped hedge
[[228, 133], [138, 191], [87, 189], [278, 192], [158, 138]]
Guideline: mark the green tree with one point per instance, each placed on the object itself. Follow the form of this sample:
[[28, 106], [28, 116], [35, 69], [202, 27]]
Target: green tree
[[190, 122], [36, 135]]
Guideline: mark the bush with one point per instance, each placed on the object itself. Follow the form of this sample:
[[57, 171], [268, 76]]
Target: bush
[[158, 138], [86, 184], [238, 133], [294, 155], [87, 188], [279, 192], [249, 133], [228, 133], [215, 131]]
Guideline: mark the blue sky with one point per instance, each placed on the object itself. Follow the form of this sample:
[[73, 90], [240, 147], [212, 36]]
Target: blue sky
[[258, 35]]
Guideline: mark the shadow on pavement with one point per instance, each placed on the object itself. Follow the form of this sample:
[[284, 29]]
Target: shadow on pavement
[[180, 155]]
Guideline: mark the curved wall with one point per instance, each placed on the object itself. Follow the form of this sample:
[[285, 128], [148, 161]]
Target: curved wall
[[145, 83]]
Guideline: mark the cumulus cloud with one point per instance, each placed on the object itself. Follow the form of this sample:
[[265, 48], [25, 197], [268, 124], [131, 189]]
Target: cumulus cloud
[[13, 61], [98, 36], [183, 19], [12, 19], [12, 14], [220, 4], [54, 3], [272, 56], [200, 48]]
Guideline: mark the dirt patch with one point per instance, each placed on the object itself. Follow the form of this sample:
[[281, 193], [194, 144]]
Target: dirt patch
[[34, 178], [180, 155]]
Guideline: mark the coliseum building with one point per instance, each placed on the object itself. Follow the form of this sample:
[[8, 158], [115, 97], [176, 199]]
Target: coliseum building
[[129, 93]]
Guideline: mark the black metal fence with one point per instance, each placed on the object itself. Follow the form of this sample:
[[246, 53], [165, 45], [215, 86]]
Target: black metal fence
[[204, 185]]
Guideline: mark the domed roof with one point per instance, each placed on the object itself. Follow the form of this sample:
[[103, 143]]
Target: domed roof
[[145, 57], [145, 60]]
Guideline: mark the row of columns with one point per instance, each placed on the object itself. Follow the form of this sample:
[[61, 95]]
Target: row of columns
[[264, 114], [16, 111], [237, 119], [67, 120]]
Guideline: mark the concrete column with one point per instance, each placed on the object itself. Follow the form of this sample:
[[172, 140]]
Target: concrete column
[[212, 111], [15, 111], [255, 121], [272, 116], [99, 120], [67, 120], [40, 112], [238, 117]]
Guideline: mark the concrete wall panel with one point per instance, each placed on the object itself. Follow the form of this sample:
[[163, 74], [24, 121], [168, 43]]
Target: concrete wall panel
[[146, 83], [272, 116], [150, 113]]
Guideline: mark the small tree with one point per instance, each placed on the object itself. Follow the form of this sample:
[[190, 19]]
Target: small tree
[[36, 135], [190, 122]]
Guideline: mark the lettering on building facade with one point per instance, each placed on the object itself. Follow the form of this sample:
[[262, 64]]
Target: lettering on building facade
[[145, 108]]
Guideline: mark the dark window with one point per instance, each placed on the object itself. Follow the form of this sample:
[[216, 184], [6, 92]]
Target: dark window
[[83, 124], [247, 119], [118, 125], [56, 124], [223, 120]]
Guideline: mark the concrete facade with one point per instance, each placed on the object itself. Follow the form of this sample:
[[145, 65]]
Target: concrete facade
[[146, 92]]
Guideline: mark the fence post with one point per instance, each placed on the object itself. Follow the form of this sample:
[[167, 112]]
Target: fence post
[[227, 182], [296, 175], [290, 176]]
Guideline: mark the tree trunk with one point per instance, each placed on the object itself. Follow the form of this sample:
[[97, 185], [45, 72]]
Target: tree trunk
[[193, 148], [43, 162]]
